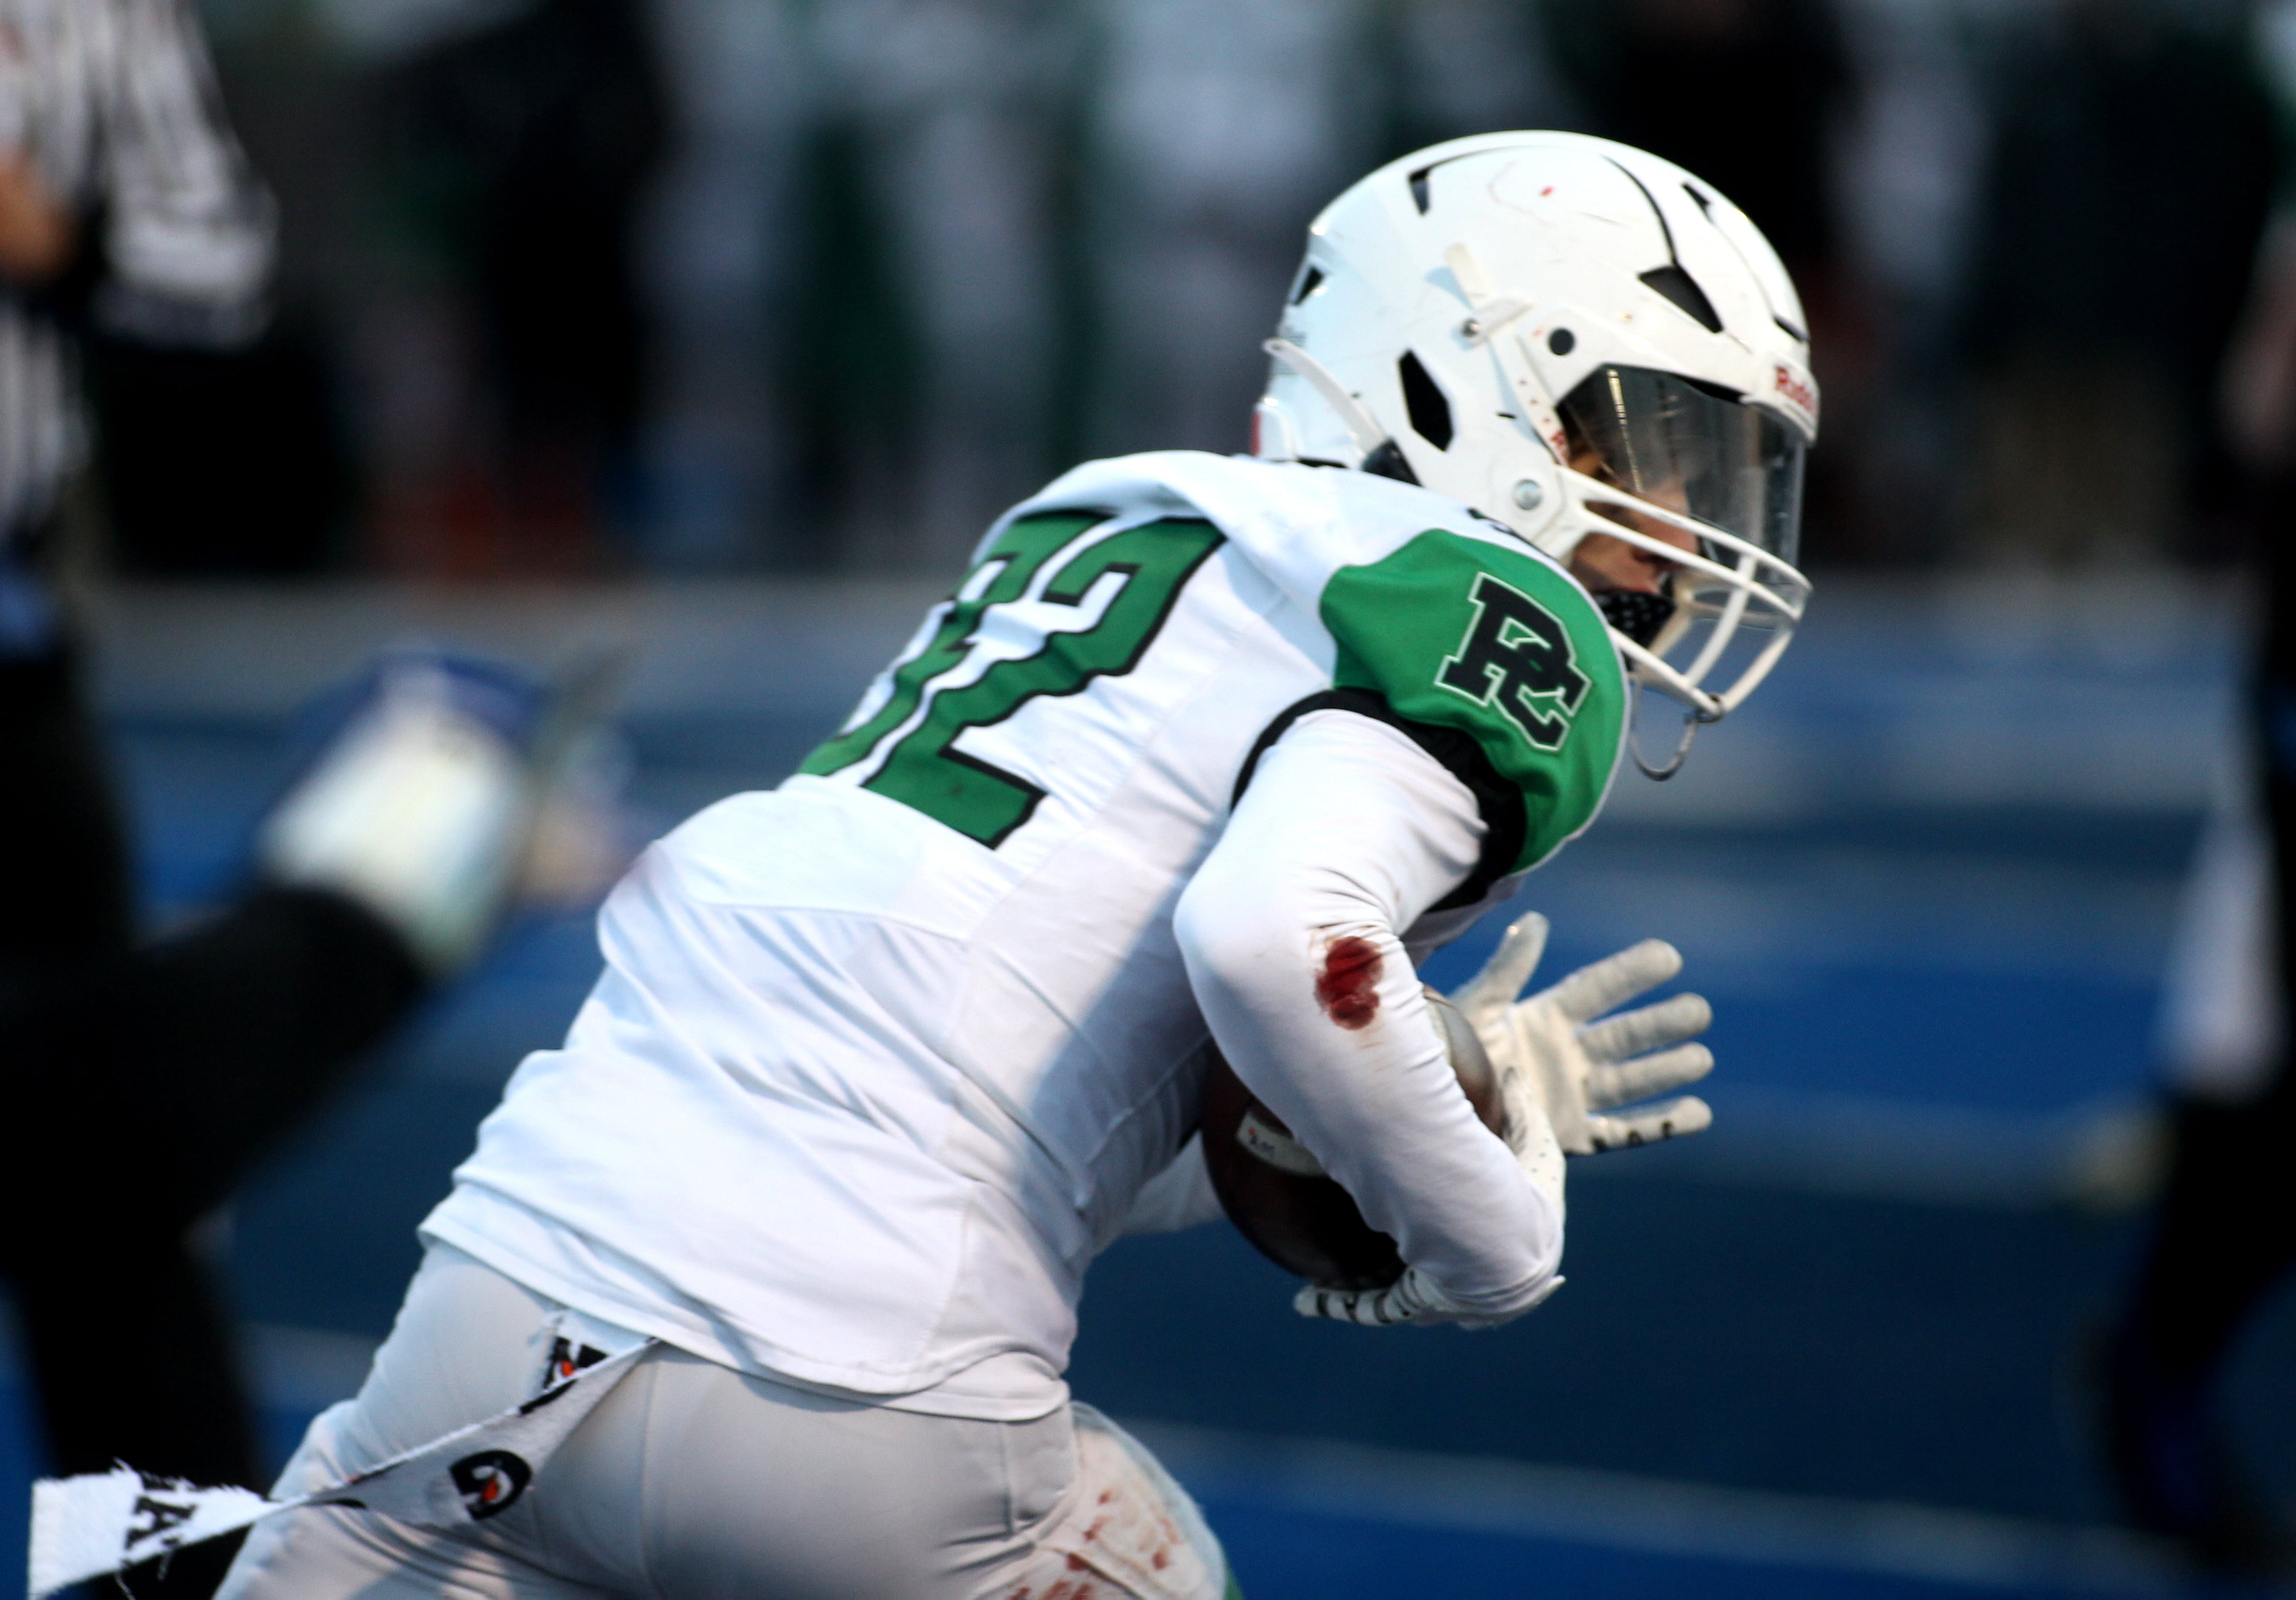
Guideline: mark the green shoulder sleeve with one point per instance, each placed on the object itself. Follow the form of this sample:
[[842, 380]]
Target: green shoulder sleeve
[[1461, 634]]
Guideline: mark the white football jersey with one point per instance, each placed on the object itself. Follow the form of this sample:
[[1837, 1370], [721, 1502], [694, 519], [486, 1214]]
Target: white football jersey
[[881, 1058]]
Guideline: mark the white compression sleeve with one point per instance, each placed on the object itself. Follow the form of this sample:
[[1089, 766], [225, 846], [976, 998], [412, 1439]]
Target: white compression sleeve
[[1291, 932]]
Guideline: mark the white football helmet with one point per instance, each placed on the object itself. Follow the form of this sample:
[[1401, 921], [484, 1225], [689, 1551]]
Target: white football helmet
[[1572, 337]]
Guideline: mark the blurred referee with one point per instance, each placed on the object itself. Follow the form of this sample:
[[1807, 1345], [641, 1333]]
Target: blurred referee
[[124, 201], [141, 1083]]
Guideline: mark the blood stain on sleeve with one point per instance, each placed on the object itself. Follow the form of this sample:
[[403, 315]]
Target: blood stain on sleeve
[[1348, 987]]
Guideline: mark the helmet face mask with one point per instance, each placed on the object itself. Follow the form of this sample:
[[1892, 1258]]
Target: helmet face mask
[[1574, 339]]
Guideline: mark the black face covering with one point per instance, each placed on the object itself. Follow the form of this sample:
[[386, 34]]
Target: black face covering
[[1638, 616]]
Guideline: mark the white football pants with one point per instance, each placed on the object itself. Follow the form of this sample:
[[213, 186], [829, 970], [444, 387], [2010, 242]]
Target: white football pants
[[691, 1481]]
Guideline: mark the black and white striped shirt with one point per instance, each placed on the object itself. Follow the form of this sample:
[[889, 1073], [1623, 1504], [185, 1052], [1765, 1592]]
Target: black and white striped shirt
[[115, 102]]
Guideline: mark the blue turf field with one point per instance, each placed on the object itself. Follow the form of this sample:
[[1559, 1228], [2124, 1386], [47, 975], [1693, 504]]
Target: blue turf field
[[1927, 881]]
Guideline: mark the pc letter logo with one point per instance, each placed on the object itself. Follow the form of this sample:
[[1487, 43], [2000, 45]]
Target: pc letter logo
[[1517, 657]]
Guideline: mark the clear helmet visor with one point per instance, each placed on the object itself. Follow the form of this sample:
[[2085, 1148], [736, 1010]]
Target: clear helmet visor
[[1712, 487], [1693, 450]]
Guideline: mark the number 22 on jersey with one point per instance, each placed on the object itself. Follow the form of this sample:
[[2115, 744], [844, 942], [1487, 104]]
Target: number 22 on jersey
[[1053, 604]]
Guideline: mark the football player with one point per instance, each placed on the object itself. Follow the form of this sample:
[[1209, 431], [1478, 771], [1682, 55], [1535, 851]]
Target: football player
[[881, 1059]]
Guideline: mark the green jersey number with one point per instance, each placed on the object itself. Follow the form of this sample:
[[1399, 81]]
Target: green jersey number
[[1095, 610]]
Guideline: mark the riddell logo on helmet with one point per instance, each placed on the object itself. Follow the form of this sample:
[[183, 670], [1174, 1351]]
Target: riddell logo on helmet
[[1796, 391]]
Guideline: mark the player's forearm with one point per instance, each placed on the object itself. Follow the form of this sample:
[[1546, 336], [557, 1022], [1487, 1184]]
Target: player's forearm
[[1289, 931], [1377, 1104]]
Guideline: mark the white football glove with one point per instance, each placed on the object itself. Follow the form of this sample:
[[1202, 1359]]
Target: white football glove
[[1410, 1300], [1561, 1071]]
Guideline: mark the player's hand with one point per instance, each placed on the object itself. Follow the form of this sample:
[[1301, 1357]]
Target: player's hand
[[433, 800], [1556, 1063], [1411, 1300]]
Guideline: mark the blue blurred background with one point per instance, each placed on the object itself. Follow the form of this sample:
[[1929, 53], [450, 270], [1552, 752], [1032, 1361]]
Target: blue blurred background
[[793, 297]]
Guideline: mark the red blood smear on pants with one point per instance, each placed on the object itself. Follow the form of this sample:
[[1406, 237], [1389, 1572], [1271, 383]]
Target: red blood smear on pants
[[1348, 987]]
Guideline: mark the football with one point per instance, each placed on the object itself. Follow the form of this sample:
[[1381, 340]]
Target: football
[[1278, 1195]]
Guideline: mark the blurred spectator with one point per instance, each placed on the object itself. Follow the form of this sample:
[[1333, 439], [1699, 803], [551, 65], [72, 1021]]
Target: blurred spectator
[[244, 462], [718, 259], [927, 326], [1755, 96], [221, 463], [1215, 133], [127, 212], [1472, 67], [235, 459], [2128, 173], [1747, 93], [1011, 204], [125, 205], [519, 154], [1907, 176]]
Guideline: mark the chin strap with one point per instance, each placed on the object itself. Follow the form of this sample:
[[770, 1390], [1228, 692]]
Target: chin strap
[[1640, 617], [1691, 723]]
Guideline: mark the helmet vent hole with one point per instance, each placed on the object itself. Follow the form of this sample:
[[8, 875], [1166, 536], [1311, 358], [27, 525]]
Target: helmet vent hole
[[1562, 341], [1430, 412], [1419, 189], [1677, 286], [1311, 279]]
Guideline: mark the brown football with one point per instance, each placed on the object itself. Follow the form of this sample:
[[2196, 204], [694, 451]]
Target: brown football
[[1281, 1199]]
